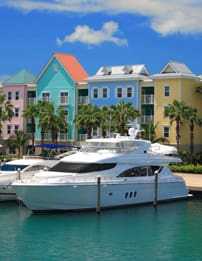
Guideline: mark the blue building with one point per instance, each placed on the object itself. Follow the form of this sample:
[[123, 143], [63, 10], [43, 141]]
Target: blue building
[[111, 84]]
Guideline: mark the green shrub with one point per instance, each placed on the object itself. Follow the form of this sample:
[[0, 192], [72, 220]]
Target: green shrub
[[191, 168]]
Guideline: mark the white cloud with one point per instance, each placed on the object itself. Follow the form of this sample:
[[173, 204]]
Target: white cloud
[[87, 35], [166, 17]]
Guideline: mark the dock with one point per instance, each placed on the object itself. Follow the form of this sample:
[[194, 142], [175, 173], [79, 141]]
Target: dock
[[193, 182]]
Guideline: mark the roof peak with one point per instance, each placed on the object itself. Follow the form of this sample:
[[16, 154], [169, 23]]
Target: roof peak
[[22, 77]]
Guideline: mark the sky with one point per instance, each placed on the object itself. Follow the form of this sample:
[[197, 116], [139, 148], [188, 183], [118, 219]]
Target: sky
[[100, 33]]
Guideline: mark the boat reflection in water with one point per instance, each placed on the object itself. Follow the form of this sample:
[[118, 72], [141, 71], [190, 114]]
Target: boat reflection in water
[[105, 173]]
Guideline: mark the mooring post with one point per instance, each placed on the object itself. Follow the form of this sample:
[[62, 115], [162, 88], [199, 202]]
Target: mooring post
[[98, 194], [19, 174], [155, 188]]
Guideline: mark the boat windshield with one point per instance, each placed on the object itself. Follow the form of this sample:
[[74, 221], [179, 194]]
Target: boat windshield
[[72, 167], [12, 167], [115, 147]]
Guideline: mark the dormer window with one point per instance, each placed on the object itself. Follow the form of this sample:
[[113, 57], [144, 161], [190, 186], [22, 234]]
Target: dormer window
[[107, 70], [128, 69]]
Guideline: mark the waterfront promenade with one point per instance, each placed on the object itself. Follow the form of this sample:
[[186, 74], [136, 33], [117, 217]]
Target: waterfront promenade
[[193, 181]]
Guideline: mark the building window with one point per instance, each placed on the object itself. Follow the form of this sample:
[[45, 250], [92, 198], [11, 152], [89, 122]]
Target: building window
[[46, 96], [63, 98], [65, 112], [17, 95], [119, 92], [16, 128], [129, 92], [95, 93], [9, 96], [167, 91], [165, 108], [105, 93], [8, 129], [166, 131], [16, 112]]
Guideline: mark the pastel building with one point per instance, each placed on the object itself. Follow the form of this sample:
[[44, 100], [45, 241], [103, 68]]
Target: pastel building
[[112, 84], [61, 82], [20, 90], [176, 81]]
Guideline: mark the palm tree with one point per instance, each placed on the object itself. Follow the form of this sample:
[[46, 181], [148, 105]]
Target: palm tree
[[106, 120], [31, 112], [51, 121], [57, 123], [193, 119], [177, 112], [88, 117], [124, 113], [43, 108], [6, 110], [18, 140], [150, 133]]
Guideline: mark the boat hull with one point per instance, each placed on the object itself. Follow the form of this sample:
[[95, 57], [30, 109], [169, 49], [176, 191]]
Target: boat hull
[[6, 193], [47, 197]]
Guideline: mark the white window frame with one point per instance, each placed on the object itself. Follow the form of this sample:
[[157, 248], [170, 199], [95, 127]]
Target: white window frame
[[64, 99], [45, 96], [107, 92], [132, 92], [166, 92], [117, 92], [95, 89], [164, 131], [164, 109]]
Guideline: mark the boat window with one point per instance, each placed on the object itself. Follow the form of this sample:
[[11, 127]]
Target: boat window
[[129, 146], [81, 167], [12, 167], [102, 146], [141, 171], [36, 168]]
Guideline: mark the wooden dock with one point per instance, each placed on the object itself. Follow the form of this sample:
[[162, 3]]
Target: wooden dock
[[193, 182]]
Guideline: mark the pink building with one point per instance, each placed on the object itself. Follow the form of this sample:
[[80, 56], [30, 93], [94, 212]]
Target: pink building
[[20, 90]]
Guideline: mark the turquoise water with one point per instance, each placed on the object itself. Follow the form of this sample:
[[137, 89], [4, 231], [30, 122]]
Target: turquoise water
[[171, 232]]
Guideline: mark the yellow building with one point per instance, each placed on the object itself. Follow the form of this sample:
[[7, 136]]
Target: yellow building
[[175, 81]]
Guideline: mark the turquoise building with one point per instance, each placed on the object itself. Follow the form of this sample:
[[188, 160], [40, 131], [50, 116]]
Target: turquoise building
[[60, 82]]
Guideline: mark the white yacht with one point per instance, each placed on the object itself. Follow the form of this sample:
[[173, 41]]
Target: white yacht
[[25, 167], [106, 173]]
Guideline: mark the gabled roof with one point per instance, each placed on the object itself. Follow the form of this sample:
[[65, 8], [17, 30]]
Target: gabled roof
[[176, 67], [22, 77], [124, 72], [71, 66], [175, 70]]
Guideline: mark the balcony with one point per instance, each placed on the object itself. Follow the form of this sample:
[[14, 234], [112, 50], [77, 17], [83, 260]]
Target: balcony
[[82, 100], [147, 99], [147, 118], [31, 100]]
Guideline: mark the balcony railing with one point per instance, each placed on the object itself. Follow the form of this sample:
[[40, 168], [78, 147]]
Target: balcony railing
[[82, 100], [147, 118], [147, 99], [31, 100]]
